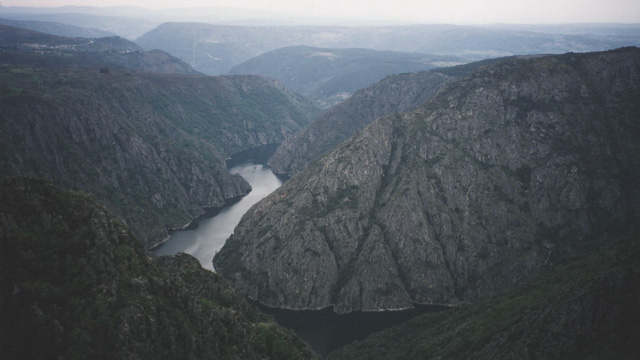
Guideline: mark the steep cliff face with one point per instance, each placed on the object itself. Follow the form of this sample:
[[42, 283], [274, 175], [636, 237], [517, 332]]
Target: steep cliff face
[[150, 146], [474, 192], [585, 308], [75, 283], [395, 93]]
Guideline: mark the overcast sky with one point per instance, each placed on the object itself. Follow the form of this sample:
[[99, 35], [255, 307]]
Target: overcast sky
[[442, 11]]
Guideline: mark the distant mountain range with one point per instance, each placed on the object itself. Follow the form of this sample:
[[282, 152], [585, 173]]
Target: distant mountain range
[[27, 47], [329, 76], [12, 36], [54, 28], [215, 49], [125, 26]]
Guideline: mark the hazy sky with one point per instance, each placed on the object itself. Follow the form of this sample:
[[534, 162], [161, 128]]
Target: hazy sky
[[449, 11]]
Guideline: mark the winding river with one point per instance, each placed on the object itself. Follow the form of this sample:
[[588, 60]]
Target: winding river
[[211, 233], [324, 330]]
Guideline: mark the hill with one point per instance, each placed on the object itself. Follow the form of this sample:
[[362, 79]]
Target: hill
[[76, 284], [19, 46], [128, 26], [584, 308], [497, 176], [394, 94], [215, 49], [329, 76], [11, 36], [54, 28], [150, 146]]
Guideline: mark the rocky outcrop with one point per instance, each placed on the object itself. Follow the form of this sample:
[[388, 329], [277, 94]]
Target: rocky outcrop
[[474, 192], [396, 93], [150, 146], [75, 283]]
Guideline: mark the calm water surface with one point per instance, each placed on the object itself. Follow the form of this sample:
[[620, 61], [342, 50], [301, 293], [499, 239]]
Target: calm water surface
[[211, 234], [324, 330]]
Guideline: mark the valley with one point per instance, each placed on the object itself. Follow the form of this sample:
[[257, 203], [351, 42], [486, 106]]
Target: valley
[[222, 183], [209, 234]]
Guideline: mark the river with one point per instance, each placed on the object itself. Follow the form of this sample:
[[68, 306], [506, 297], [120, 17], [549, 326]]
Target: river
[[209, 236], [324, 330]]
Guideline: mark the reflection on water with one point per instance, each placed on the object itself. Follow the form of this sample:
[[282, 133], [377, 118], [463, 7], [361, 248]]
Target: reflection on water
[[210, 235]]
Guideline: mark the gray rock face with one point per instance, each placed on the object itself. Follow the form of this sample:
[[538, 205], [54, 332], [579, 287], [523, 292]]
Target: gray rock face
[[396, 93], [151, 147], [497, 176]]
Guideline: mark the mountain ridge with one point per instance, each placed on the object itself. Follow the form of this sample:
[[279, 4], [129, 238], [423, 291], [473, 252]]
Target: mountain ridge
[[329, 76], [397, 93], [509, 169], [21, 46], [214, 49], [59, 29], [150, 146]]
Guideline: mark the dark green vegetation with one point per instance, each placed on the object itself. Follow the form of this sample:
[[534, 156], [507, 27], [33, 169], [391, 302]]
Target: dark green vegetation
[[329, 76], [76, 284], [215, 49], [497, 176], [150, 146], [587, 307], [394, 94]]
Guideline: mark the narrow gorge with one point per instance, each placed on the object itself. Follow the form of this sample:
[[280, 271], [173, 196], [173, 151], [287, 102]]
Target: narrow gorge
[[150, 146], [502, 173]]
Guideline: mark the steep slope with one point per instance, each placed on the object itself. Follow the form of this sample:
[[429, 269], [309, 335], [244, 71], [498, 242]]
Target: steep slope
[[474, 192], [150, 146], [215, 49], [75, 283], [586, 308], [394, 94], [329, 76]]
